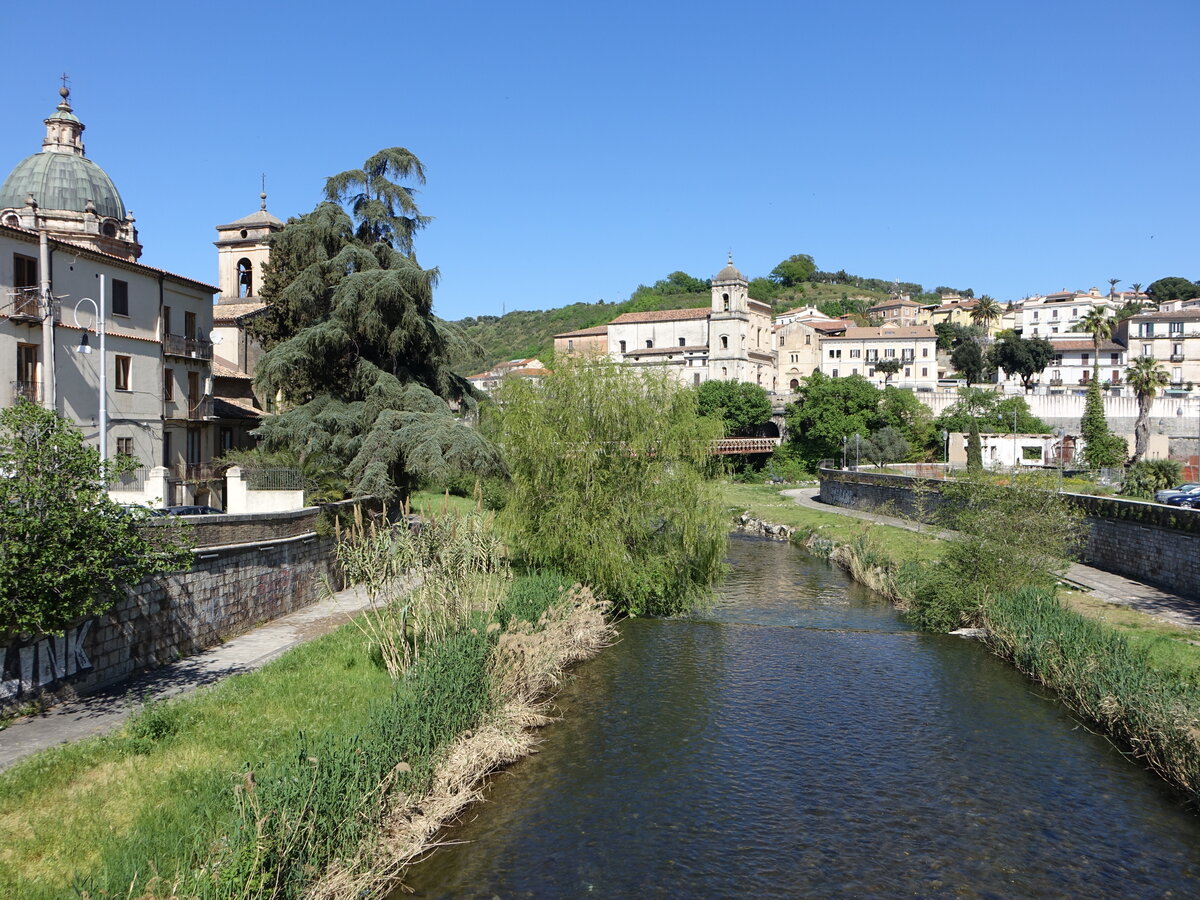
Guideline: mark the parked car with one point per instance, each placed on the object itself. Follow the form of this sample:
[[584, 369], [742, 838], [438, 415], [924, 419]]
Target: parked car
[[1186, 499], [190, 510], [136, 509], [1185, 488]]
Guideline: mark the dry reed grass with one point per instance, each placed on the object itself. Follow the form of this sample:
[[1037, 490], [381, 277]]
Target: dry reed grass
[[527, 665]]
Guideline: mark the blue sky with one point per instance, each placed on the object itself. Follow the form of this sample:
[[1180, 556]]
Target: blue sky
[[577, 150]]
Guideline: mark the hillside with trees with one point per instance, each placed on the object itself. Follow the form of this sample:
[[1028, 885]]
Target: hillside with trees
[[795, 281]]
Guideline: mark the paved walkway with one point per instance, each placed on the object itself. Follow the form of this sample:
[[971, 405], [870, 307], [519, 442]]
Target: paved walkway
[[103, 711], [1106, 586]]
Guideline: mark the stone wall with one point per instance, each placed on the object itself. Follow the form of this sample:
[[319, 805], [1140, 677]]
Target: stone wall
[[1148, 542], [275, 568]]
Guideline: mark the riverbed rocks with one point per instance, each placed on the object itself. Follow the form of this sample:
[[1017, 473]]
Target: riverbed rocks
[[751, 525]]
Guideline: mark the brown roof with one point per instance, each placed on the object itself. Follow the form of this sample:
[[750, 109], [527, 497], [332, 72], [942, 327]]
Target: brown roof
[[890, 303], [224, 408], [907, 331], [830, 328], [662, 315], [224, 370], [230, 312], [1189, 315], [585, 332], [1077, 344]]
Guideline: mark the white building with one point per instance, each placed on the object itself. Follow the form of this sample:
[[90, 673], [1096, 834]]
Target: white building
[[59, 261], [1172, 336], [1074, 361], [798, 347], [858, 350], [730, 340], [1062, 312]]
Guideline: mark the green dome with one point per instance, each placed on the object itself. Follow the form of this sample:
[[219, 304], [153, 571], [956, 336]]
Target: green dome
[[61, 181]]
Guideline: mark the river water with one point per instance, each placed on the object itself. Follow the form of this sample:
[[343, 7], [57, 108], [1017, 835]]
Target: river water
[[799, 740]]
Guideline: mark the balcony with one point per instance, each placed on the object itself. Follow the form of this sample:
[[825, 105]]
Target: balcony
[[27, 305], [27, 390], [190, 348], [189, 408], [1056, 382], [1176, 357]]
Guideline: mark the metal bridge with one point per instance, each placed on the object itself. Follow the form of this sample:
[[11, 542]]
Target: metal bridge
[[730, 446]]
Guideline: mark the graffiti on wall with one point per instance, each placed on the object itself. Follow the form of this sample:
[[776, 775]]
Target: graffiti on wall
[[29, 668]]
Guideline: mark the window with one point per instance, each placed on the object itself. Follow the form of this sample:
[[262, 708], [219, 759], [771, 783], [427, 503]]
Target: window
[[25, 271], [1054, 313], [1035, 315], [890, 354], [166, 460], [834, 373], [1084, 359], [226, 438], [1147, 349], [649, 345], [1056, 359], [193, 389], [570, 345], [125, 446], [1174, 328], [924, 372], [1114, 358], [696, 379], [1054, 330], [795, 357], [854, 371], [807, 340], [1145, 329], [925, 352], [1176, 375], [166, 320], [724, 372], [870, 373], [168, 384], [622, 346], [189, 326], [682, 342], [123, 364], [725, 301], [724, 342], [781, 339], [835, 354], [120, 297], [856, 354], [1074, 313], [195, 440]]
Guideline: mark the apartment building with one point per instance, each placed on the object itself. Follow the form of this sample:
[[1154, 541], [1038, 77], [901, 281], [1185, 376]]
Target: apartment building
[[857, 351]]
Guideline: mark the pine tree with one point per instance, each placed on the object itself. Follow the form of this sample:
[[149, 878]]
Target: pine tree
[[1102, 449], [355, 354]]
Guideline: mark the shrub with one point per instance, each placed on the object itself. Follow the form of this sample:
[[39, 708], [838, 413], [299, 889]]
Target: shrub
[[1146, 476]]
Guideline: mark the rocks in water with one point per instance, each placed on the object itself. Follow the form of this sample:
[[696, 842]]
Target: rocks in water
[[749, 523], [970, 632]]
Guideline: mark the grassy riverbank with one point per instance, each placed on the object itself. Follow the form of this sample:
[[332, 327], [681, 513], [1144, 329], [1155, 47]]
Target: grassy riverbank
[[268, 781], [1135, 676]]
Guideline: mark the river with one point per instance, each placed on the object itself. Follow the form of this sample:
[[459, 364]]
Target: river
[[799, 740]]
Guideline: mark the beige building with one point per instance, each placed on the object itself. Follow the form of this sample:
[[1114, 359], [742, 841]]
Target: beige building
[[858, 350], [798, 347], [897, 311], [61, 263], [1172, 336], [730, 340], [1074, 362], [583, 342]]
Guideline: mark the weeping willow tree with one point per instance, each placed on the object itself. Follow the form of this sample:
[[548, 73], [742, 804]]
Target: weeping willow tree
[[354, 353], [610, 483]]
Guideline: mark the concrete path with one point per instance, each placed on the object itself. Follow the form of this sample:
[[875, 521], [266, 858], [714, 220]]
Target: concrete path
[[1171, 608], [103, 711]]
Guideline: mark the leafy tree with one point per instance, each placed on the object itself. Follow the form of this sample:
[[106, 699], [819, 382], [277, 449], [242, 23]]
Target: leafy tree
[[65, 547], [828, 409], [1102, 449], [763, 289], [900, 409], [888, 367], [1172, 288], [951, 334], [1147, 476], [963, 292], [794, 270], [1146, 376], [609, 483], [1026, 358], [356, 355], [887, 445], [991, 411], [739, 405], [970, 360]]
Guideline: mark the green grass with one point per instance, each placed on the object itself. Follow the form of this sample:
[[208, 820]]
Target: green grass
[[68, 812], [765, 502], [432, 503]]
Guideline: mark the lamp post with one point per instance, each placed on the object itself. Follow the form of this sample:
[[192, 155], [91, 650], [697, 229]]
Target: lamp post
[[857, 450], [84, 347], [945, 451], [844, 440]]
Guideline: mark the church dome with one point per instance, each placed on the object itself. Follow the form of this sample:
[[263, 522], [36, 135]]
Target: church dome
[[729, 273], [61, 181]]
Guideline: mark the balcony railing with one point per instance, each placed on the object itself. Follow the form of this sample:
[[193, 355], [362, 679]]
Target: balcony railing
[[192, 348], [1176, 357], [1056, 382], [28, 390], [196, 472], [188, 408]]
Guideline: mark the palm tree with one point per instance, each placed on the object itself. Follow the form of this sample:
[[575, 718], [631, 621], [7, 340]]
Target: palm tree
[[1137, 287], [1112, 286], [986, 311], [1145, 376], [1100, 326]]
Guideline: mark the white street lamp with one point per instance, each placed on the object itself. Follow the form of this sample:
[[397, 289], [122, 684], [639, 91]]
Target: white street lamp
[[84, 347]]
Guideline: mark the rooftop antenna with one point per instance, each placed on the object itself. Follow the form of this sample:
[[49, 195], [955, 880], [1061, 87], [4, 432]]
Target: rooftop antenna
[[263, 196]]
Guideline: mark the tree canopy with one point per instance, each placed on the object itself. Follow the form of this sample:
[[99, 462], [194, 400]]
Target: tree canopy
[[739, 405], [970, 361], [354, 352], [794, 270], [991, 411], [65, 547], [1026, 357], [1172, 288]]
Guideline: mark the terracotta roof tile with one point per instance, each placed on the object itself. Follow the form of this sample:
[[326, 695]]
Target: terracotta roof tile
[[662, 315], [585, 332]]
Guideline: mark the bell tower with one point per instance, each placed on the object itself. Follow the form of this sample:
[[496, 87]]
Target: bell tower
[[242, 252]]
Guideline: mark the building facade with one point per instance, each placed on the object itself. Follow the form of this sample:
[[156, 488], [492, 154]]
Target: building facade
[[858, 351]]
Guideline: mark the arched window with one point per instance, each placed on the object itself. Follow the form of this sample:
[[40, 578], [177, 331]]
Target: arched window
[[724, 372], [724, 342], [110, 229], [245, 278], [794, 384], [725, 300]]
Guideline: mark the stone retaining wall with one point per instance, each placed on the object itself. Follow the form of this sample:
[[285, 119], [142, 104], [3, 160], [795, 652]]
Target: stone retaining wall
[[230, 588], [1148, 542]]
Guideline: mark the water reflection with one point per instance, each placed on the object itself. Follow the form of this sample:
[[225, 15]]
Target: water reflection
[[833, 753]]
